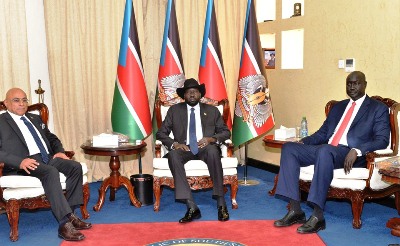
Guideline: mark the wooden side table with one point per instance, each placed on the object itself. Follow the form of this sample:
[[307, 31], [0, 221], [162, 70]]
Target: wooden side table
[[393, 223], [115, 180], [270, 141]]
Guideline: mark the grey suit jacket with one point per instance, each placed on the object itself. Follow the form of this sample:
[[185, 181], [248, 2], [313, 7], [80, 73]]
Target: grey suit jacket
[[176, 121], [13, 147]]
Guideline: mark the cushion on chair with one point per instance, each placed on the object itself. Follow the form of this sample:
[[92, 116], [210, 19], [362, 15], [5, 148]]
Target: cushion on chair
[[354, 184], [192, 173], [29, 192], [19, 193], [194, 167], [224, 148], [19, 181], [355, 180], [355, 173]]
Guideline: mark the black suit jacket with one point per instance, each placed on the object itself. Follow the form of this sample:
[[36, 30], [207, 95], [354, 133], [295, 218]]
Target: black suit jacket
[[13, 147], [176, 121]]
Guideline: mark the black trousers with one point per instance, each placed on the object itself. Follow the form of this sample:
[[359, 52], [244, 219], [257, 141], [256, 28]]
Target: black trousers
[[211, 155], [49, 176]]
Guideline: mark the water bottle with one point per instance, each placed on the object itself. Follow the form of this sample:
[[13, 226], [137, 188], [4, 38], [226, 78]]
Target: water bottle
[[303, 128]]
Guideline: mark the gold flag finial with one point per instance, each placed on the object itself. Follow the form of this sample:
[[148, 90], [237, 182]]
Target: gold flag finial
[[40, 92]]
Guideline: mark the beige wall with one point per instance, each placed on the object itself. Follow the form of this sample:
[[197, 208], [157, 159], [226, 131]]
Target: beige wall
[[368, 31]]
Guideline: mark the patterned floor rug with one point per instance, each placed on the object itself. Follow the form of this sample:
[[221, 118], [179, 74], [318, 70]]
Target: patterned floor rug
[[201, 233]]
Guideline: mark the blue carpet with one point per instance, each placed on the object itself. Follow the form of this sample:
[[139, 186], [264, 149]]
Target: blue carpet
[[40, 227]]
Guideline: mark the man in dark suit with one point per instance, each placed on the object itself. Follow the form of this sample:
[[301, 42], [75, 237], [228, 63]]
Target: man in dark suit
[[209, 130], [353, 128], [27, 147]]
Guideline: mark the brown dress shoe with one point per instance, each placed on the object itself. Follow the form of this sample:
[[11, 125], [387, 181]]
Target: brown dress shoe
[[69, 233], [78, 223]]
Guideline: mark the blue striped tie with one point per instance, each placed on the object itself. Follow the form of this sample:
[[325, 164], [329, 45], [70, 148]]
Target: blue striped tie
[[43, 152], [192, 133]]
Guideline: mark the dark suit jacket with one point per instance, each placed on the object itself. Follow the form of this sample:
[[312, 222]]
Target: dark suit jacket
[[176, 121], [13, 148], [369, 131]]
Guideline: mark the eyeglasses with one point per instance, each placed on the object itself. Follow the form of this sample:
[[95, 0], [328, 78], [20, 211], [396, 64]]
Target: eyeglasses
[[19, 100]]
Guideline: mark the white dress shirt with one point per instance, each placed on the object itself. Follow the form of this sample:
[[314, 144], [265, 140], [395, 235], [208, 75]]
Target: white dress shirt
[[199, 129], [30, 141], [343, 139]]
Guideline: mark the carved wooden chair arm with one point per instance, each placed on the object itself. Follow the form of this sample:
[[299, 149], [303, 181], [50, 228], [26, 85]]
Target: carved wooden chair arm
[[70, 154], [228, 143], [157, 149], [370, 157]]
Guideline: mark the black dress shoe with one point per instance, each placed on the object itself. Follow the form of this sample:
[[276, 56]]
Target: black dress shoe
[[69, 233], [191, 214], [78, 223], [312, 225], [223, 214], [291, 218]]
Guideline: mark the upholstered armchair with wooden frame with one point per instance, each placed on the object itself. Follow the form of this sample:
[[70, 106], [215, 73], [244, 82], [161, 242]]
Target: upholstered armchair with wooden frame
[[196, 170], [361, 183], [25, 192]]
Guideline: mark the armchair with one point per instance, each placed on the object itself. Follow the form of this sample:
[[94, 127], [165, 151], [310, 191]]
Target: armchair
[[361, 183], [196, 170], [25, 192]]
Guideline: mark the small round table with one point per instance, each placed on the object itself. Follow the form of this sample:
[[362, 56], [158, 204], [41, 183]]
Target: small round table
[[393, 223], [115, 180], [271, 142]]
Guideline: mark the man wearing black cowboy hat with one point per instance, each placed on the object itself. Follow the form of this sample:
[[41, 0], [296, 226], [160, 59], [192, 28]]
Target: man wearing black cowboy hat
[[197, 129]]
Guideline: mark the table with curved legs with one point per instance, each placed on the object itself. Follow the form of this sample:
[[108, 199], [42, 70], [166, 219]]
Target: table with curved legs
[[271, 142], [115, 180], [393, 223]]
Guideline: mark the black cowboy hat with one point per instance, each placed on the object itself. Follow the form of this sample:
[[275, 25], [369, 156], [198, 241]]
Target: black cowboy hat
[[191, 83]]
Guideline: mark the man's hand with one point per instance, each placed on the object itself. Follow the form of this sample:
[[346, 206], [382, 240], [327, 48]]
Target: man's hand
[[181, 146], [28, 164], [61, 155], [349, 160], [205, 141]]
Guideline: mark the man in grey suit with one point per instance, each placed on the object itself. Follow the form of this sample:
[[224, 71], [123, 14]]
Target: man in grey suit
[[27, 147], [198, 129]]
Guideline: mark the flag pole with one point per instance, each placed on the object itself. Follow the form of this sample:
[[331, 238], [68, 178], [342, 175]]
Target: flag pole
[[245, 181], [140, 163]]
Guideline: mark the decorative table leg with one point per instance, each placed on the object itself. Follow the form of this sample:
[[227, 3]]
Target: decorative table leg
[[102, 192]]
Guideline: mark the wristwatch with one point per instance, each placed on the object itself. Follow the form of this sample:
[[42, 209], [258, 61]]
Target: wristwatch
[[172, 146]]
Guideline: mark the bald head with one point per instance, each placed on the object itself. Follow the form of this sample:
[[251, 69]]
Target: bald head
[[357, 75], [16, 101]]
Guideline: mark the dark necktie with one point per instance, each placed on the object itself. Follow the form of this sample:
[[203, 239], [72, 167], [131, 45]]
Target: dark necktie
[[342, 127], [43, 152], [192, 133]]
